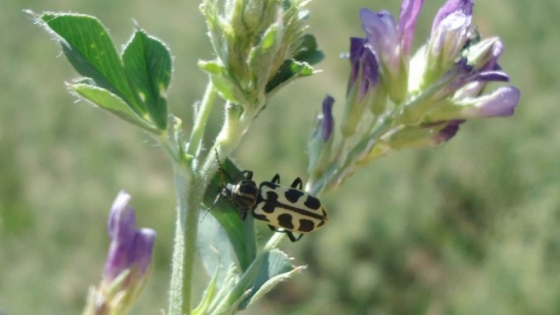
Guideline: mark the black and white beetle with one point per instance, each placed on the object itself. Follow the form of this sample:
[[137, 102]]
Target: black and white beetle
[[284, 209]]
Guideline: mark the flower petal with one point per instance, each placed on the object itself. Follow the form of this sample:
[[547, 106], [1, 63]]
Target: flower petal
[[128, 246], [448, 132], [365, 69], [142, 249], [451, 6], [381, 31], [407, 22], [328, 120], [501, 103]]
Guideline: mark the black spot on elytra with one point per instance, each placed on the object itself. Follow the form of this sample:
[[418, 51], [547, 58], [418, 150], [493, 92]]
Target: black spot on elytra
[[312, 203], [306, 225], [285, 221], [293, 195], [270, 203], [260, 217]]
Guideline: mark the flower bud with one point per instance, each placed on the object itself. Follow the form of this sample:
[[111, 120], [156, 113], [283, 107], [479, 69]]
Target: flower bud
[[321, 140], [446, 44], [252, 40], [362, 86], [390, 42], [128, 263]]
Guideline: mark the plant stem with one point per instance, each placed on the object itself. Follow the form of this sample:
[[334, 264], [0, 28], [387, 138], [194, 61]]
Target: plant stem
[[191, 185], [202, 114], [190, 189], [179, 297], [274, 241]]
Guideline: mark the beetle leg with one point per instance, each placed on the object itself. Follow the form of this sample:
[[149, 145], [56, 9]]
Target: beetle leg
[[297, 184], [276, 179], [290, 234], [292, 237]]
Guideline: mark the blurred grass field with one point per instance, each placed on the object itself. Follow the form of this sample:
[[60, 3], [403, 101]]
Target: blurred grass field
[[467, 228]]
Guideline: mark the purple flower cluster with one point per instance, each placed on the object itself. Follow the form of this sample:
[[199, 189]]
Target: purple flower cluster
[[443, 83], [398, 99]]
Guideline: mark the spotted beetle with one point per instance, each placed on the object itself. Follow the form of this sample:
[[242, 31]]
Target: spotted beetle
[[289, 208], [285, 209]]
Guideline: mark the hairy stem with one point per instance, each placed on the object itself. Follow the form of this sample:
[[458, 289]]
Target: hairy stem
[[191, 185], [202, 114], [189, 198]]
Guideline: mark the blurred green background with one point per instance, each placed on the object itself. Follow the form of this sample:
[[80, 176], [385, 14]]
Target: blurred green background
[[471, 227]]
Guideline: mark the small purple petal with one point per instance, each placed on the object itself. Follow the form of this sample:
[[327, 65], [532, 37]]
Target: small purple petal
[[451, 6], [128, 246], [142, 250], [449, 38], [482, 78], [407, 22], [377, 25], [356, 48], [122, 219], [501, 103], [448, 132], [462, 74], [458, 75], [497, 50], [364, 64], [380, 29], [491, 76], [328, 120]]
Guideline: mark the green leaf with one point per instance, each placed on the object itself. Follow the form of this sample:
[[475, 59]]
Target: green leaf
[[299, 66], [110, 102], [262, 56], [221, 81], [89, 48], [241, 234], [230, 281], [269, 285], [289, 71], [268, 269], [309, 51], [147, 62], [209, 295], [213, 246]]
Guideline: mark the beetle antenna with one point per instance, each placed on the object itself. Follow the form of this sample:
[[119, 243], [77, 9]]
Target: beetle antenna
[[211, 206], [222, 172]]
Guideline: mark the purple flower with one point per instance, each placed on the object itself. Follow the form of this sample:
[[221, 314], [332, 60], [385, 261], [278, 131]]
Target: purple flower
[[390, 43], [384, 35], [451, 7], [364, 91], [449, 131], [130, 249], [364, 73], [321, 140], [446, 43], [327, 120], [128, 262], [434, 90], [501, 103]]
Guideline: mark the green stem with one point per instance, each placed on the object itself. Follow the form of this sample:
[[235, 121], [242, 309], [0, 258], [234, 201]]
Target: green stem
[[274, 241], [189, 198], [190, 188], [189, 192], [204, 110]]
